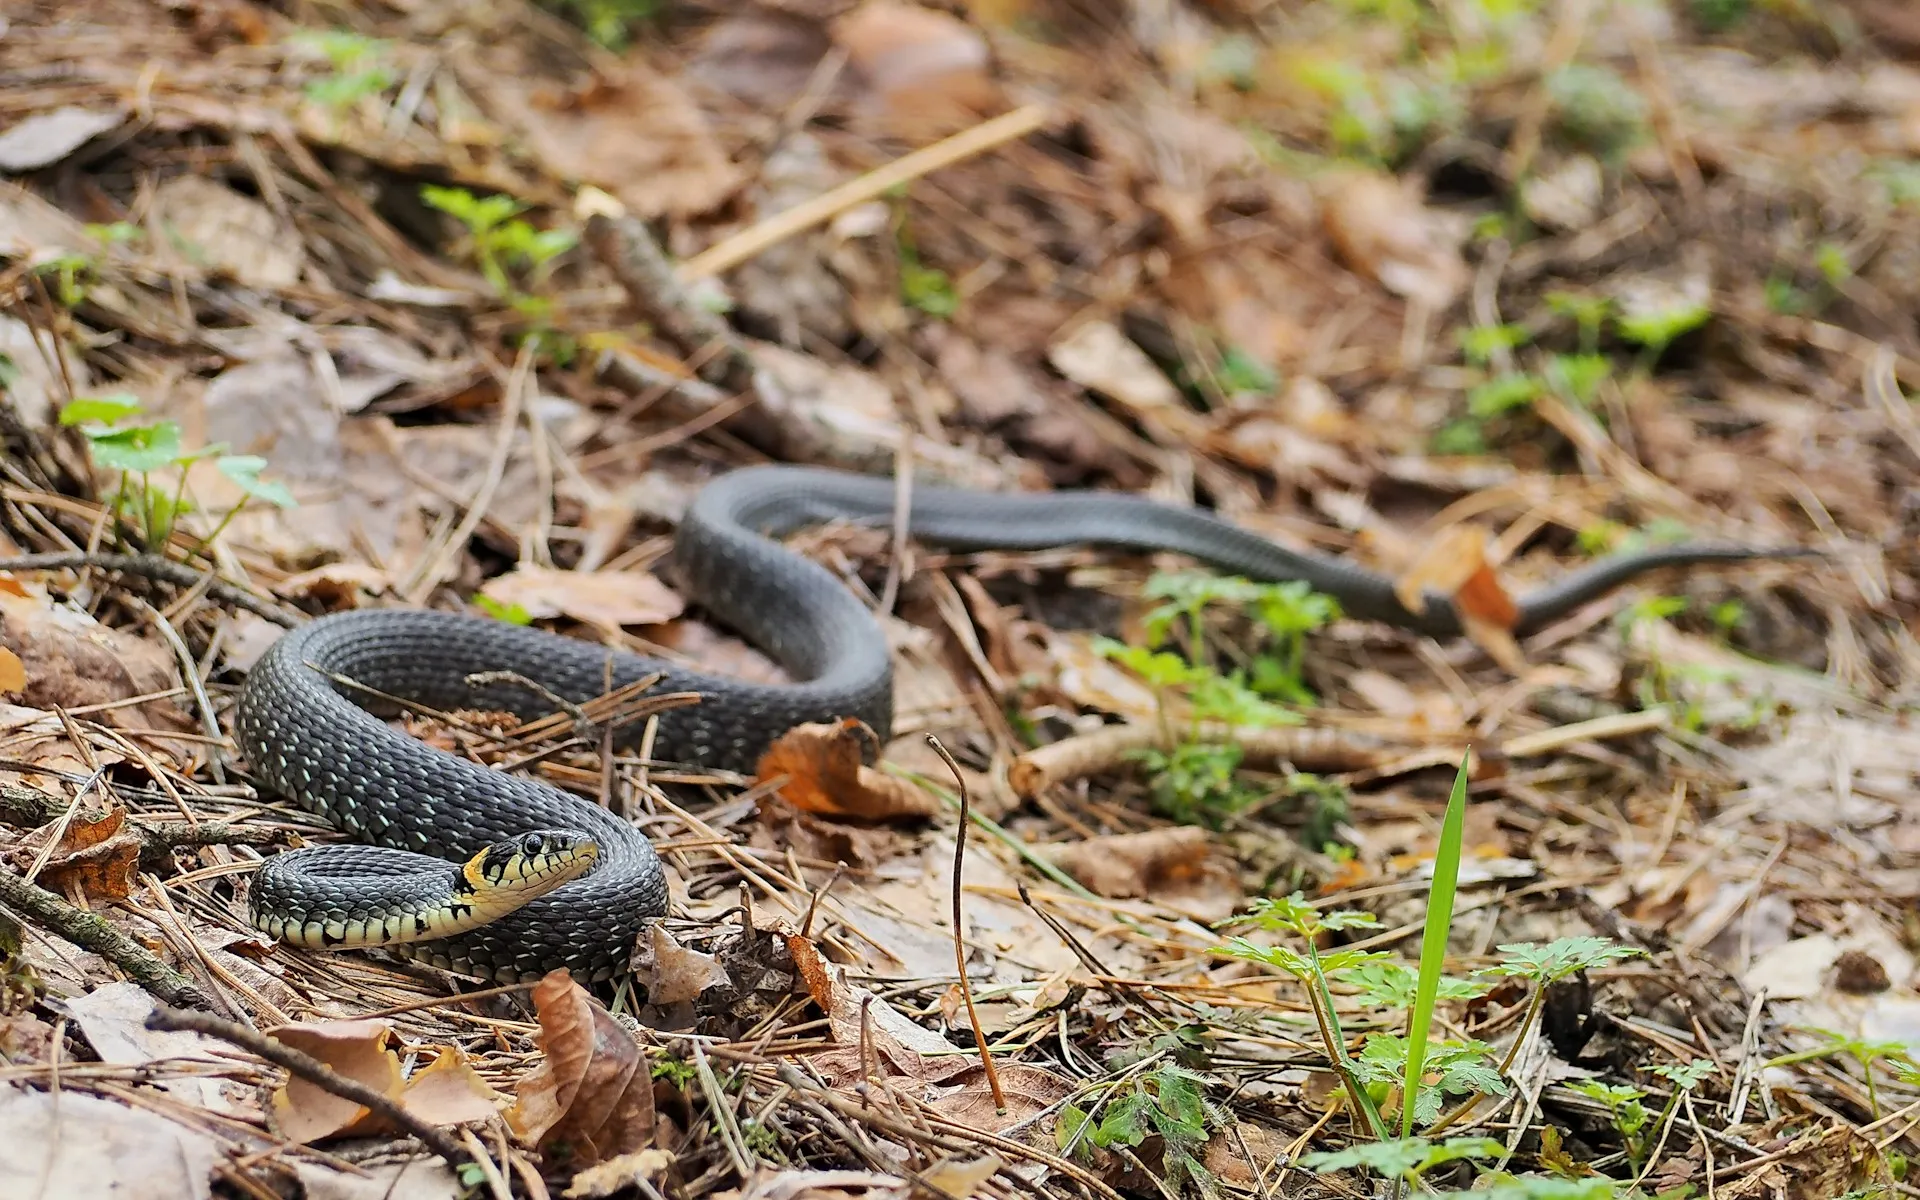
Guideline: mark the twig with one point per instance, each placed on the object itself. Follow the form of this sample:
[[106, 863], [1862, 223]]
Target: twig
[[28, 807], [90, 931], [513, 401], [152, 566], [822, 208], [315, 1072], [959, 941], [190, 676], [624, 246]]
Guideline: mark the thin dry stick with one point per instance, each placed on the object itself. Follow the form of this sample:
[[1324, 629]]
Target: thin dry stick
[[959, 942], [512, 403], [824, 207], [902, 518], [90, 931], [313, 1071], [152, 566]]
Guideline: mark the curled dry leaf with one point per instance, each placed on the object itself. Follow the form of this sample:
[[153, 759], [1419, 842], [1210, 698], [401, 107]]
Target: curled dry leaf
[[1385, 233], [1455, 565], [609, 600], [628, 1171], [1159, 863], [892, 1044], [1100, 358], [45, 138], [446, 1092], [671, 973], [824, 774], [591, 1097], [97, 856]]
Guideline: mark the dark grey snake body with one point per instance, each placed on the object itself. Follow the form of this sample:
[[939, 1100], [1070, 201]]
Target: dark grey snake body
[[321, 743]]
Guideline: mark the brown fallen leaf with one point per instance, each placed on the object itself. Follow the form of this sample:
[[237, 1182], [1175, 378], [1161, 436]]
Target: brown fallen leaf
[[824, 774], [445, 1092], [591, 1097], [72, 661], [1029, 1090], [630, 130], [628, 1171], [13, 672], [217, 228], [1157, 863], [608, 600], [924, 74], [1383, 231], [360, 1050], [1455, 565], [671, 973], [96, 856], [873, 1038]]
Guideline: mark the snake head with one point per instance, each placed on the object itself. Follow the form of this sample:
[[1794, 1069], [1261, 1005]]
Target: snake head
[[530, 865]]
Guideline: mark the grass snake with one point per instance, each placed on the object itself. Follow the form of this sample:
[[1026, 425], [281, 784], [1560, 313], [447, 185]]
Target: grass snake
[[442, 831]]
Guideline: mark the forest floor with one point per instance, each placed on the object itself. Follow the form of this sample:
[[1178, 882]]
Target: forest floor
[[457, 305]]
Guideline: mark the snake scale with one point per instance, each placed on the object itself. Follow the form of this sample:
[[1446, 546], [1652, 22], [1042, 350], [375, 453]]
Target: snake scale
[[309, 719]]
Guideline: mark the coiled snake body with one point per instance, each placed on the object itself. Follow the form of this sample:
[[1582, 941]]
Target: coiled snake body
[[309, 733]]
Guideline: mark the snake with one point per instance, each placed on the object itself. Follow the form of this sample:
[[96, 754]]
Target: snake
[[502, 877]]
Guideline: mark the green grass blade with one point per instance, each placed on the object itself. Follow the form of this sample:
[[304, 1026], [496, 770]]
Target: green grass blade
[[1433, 943]]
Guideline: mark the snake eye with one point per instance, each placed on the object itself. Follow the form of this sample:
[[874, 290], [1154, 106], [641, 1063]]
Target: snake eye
[[533, 843]]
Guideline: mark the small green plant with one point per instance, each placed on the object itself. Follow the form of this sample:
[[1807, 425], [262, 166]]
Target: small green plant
[[498, 238], [1541, 967], [762, 1140], [1294, 915], [1194, 779], [359, 67], [1900, 179], [1404, 1158], [1503, 394], [1589, 313], [512, 612], [1864, 1051], [928, 289], [1482, 342], [1463, 436], [1595, 109], [674, 1069], [1168, 1102], [1718, 16], [1577, 377], [608, 22], [1387, 1058], [1629, 1116], [74, 272], [1655, 329], [143, 449], [1241, 374]]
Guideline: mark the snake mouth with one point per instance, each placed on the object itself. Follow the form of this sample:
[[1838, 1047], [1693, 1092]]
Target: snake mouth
[[355, 897], [527, 867]]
